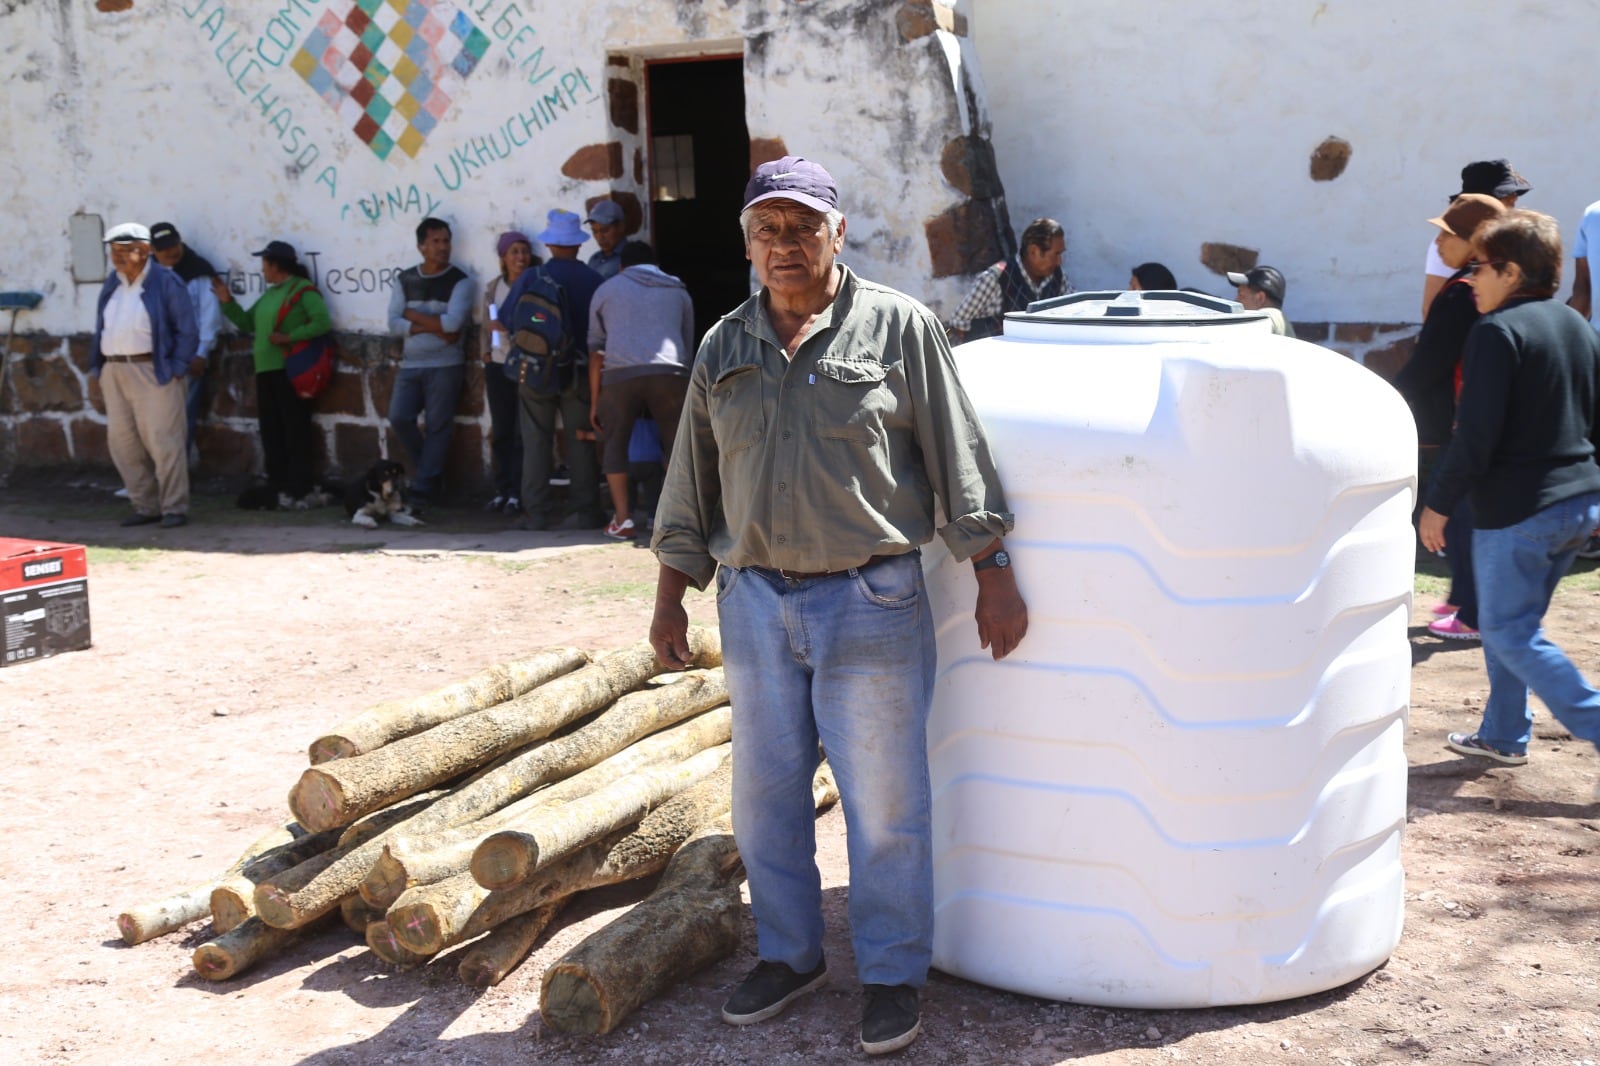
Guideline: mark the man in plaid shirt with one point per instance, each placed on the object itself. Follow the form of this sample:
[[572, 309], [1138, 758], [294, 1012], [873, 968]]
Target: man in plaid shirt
[[1012, 284]]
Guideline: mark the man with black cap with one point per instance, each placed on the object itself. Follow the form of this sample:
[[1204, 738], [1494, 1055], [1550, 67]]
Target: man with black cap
[[1487, 177], [144, 341], [1262, 289], [605, 221], [823, 422], [196, 272]]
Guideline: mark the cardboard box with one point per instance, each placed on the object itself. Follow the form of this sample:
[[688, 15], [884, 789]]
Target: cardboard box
[[44, 599]]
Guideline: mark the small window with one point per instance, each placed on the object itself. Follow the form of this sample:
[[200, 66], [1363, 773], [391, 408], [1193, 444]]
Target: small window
[[674, 167]]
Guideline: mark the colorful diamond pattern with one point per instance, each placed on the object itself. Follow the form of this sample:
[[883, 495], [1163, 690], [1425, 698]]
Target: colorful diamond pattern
[[389, 68]]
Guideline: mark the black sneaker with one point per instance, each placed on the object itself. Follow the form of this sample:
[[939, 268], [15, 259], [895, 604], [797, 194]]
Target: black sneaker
[[561, 476], [890, 1020], [768, 990]]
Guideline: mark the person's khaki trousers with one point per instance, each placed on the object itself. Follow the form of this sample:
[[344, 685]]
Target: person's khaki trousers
[[147, 432]]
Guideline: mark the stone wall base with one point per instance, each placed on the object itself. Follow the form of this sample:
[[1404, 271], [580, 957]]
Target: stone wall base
[[52, 416]]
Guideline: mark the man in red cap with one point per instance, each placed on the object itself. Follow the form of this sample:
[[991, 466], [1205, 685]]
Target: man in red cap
[[823, 420]]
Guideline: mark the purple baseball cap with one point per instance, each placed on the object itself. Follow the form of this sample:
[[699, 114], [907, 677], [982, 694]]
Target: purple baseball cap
[[793, 178]]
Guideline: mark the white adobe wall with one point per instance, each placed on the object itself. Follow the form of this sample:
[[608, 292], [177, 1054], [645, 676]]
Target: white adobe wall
[[1149, 128], [190, 110]]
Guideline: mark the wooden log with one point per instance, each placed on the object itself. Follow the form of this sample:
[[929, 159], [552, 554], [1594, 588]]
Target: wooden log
[[233, 899], [433, 916], [690, 921], [357, 914], [280, 900], [436, 917], [510, 856], [383, 723], [336, 792], [488, 961], [608, 737], [238, 949], [383, 944], [418, 859], [150, 920]]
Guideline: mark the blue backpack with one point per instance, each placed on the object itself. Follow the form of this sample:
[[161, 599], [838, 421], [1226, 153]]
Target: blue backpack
[[543, 349]]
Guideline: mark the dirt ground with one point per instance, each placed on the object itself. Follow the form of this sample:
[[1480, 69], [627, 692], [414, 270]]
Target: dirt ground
[[149, 761]]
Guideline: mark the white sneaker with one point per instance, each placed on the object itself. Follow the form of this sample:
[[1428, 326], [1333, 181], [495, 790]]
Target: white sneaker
[[122, 493]]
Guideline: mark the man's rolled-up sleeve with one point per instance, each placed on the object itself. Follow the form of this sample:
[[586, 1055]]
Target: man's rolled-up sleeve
[[955, 452], [692, 496]]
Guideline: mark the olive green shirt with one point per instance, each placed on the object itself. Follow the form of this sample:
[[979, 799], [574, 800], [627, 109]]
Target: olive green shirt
[[825, 459]]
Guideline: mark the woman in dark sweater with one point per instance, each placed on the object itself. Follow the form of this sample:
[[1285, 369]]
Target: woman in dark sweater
[[1430, 380], [1524, 449]]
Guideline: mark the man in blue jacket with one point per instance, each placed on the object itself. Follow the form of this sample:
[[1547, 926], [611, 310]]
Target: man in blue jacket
[[144, 339]]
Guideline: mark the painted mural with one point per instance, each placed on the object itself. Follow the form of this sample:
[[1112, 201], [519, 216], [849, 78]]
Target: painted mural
[[393, 73], [389, 68]]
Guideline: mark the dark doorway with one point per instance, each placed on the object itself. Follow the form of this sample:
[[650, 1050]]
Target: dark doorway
[[699, 164]]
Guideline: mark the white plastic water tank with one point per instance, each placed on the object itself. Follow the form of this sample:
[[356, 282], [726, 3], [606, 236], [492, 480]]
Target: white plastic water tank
[[1187, 786]]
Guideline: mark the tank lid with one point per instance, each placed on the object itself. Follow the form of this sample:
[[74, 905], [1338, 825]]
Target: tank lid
[[1134, 308]]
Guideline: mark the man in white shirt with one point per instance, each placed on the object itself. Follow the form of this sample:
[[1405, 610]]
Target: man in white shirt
[[144, 340]]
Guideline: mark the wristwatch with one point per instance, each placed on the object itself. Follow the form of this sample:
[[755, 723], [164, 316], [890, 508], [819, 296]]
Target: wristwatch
[[1000, 560]]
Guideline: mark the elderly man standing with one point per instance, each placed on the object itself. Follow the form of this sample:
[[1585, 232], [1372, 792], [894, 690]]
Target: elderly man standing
[[144, 341], [824, 416]]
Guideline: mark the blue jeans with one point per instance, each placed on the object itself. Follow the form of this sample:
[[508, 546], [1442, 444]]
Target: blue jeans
[[431, 391], [1518, 568], [847, 660]]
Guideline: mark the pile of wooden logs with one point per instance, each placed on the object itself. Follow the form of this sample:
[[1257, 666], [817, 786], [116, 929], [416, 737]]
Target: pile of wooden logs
[[477, 811]]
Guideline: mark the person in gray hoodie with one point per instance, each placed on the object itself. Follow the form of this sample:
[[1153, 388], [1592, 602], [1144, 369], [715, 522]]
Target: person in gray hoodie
[[641, 337]]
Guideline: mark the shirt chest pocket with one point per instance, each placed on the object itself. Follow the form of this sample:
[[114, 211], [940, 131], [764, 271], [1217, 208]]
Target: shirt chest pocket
[[738, 414], [851, 400]]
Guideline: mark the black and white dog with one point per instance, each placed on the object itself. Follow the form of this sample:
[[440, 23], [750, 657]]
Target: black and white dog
[[381, 494]]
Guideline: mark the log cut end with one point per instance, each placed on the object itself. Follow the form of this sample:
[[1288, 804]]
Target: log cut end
[[213, 963], [355, 913], [504, 860], [317, 800], [232, 905], [416, 928], [571, 1002], [130, 930], [329, 748], [275, 906], [381, 939], [384, 882]]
